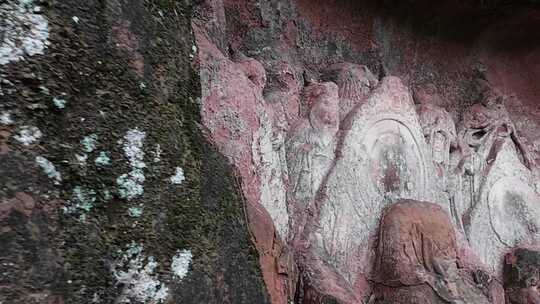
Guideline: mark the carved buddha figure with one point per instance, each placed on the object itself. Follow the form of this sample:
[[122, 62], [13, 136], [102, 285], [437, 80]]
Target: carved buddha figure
[[383, 157], [417, 258]]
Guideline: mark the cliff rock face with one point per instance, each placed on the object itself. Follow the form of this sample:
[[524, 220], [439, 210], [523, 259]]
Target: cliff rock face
[[283, 151], [110, 192]]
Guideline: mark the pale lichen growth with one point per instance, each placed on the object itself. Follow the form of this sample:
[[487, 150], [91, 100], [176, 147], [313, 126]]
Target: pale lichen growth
[[82, 199], [89, 143], [107, 195], [49, 169], [135, 211], [59, 102], [130, 185], [180, 263], [178, 176], [81, 159], [28, 135], [6, 119], [24, 30], [157, 154], [103, 159], [137, 275]]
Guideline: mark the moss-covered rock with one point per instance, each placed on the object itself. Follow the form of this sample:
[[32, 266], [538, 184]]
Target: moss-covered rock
[[103, 214]]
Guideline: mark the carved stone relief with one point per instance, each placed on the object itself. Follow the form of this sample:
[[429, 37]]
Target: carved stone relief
[[440, 133], [323, 176], [502, 201], [383, 158], [311, 147], [505, 211]]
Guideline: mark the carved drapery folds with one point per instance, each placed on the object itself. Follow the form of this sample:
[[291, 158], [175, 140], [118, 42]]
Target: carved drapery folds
[[417, 258], [310, 148]]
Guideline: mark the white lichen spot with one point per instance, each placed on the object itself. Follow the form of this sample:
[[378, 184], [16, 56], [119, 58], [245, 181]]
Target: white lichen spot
[[180, 263], [75, 19], [89, 143], [130, 185], [193, 51], [178, 176], [81, 159], [135, 211], [24, 30], [142, 86], [157, 154], [44, 90], [6, 119], [107, 195], [103, 159], [96, 298], [137, 275], [82, 199], [59, 102], [49, 169], [28, 135]]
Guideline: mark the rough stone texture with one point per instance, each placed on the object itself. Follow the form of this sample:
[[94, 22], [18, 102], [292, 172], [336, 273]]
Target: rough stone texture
[[114, 94], [521, 276], [326, 112]]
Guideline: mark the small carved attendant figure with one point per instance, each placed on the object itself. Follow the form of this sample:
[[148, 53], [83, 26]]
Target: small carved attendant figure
[[522, 276], [417, 258], [440, 133], [311, 144], [355, 83]]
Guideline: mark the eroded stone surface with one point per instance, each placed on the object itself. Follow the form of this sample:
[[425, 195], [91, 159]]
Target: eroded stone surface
[[417, 258], [522, 275], [502, 209]]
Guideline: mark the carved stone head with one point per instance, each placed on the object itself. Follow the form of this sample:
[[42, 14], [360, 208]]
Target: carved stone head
[[439, 130], [355, 83], [322, 101]]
